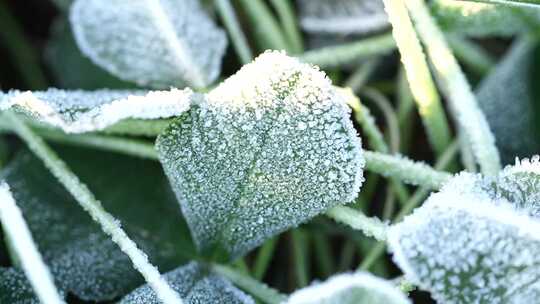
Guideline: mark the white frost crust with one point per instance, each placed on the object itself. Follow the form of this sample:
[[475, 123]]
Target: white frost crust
[[87, 111], [21, 240], [525, 165], [337, 286]]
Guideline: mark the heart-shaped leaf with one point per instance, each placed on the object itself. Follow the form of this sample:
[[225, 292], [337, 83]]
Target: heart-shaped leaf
[[350, 289], [157, 43], [477, 240], [271, 147], [83, 260], [342, 16], [195, 283], [509, 108], [85, 111]]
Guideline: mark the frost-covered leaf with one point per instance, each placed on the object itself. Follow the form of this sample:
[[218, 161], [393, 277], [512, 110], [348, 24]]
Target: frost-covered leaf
[[157, 43], [481, 19], [85, 111], [70, 68], [477, 240], [357, 288], [342, 16], [506, 98], [195, 283], [83, 260], [15, 288], [269, 148]]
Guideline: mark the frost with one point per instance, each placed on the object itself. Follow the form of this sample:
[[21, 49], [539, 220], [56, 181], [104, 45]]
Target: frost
[[512, 124], [342, 16], [477, 240], [350, 289], [160, 43], [274, 142], [14, 287], [195, 284], [85, 111]]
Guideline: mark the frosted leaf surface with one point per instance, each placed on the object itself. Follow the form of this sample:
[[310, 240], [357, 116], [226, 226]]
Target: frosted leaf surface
[[481, 19], [475, 241], [85, 111], [158, 43], [82, 259], [195, 284], [15, 288], [350, 289], [342, 16], [271, 147], [509, 108]]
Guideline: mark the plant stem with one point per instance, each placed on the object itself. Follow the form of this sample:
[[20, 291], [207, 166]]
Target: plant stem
[[267, 30], [264, 256], [359, 78], [527, 3], [406, 170], [25, 58], [230, 20], [20, 239], [301, 261], [323, 254], [462, 100], [471, 54], [89, 203], [335, 56], [289, 25], [252, 286], [419, 77], [370, 226]]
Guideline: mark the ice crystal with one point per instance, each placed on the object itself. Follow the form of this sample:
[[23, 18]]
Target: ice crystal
[[269, 148], [342, 16], [477, 240], [160, 43], [85, 111], [349, 289], [195, 284], [15, 288]]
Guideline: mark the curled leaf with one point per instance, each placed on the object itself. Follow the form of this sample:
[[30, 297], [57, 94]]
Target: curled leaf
[[196, 284], [477, 240], [153, 43], [85, 111], [271, 147], [350, 289]]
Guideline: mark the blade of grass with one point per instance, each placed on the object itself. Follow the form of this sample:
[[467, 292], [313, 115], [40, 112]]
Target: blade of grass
[[289, 24], [230, 20], [323, 254], [264, 256], [299, 240], [471, 54], [370, 226], [360, 77], [527, 3]]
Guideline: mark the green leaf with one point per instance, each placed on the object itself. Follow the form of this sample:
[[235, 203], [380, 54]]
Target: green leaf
[[270, 148], [83, 260], [196, 284], [152, 43], [477, 240], [15, 288], [85, 111], [506, 98], [350, 289], [70, 68]]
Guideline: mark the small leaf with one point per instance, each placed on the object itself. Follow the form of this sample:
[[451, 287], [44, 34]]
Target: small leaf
[[85, 111], [83, 260], [354, 288], [477, 240], [342, 16], [506, 98], [271, 147], [157, 43], [195, 284]]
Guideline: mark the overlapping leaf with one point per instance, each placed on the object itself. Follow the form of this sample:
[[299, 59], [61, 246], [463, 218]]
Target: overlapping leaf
[[84, 111], [157, 43], [195, 284], [83, 260], [350, 289], [269, 148], [477, 240]]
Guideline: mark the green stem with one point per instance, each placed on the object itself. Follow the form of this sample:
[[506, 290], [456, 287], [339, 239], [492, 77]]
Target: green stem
[[289, 24], [370, 226], [259, 290], [300, 254], [464, 106], [360, 77], [267, 30], [335, 56], [264, 256], [323, 254], [26, 60], [471, 54], [527, 3], [417, 71], [227, 14], [89, 203], [406, 119]]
